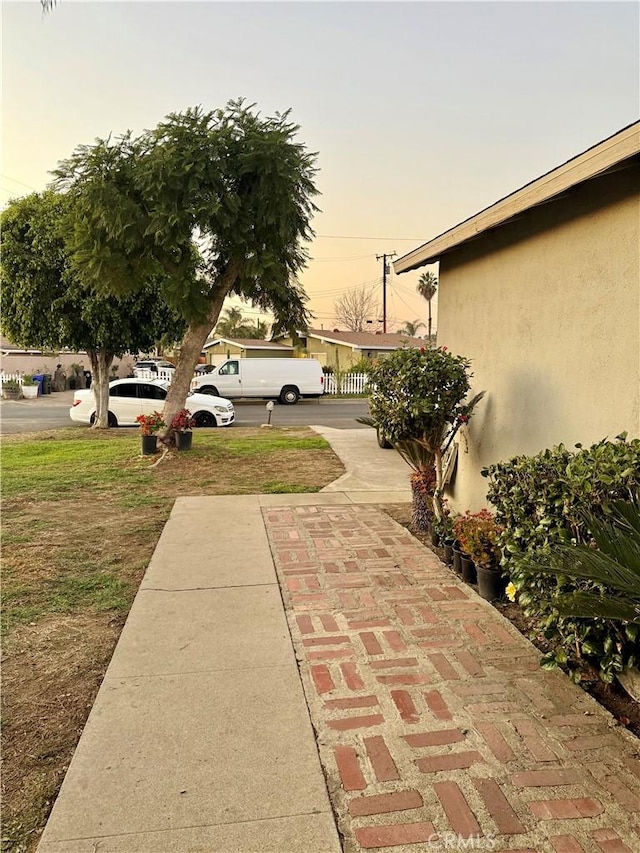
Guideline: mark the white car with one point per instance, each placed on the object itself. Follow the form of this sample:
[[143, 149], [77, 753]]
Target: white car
[[129, 398]]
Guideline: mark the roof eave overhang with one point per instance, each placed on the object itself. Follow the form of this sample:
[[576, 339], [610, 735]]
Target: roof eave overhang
[[602, 157]]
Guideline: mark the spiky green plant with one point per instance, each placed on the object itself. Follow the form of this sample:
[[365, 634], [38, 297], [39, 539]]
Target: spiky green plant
[[608, 571]]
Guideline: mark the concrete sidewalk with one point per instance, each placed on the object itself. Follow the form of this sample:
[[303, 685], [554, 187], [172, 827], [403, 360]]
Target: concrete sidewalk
[[200, 737], [384, 696]]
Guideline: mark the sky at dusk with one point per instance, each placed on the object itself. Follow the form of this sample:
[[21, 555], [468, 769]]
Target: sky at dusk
[[421, 113]]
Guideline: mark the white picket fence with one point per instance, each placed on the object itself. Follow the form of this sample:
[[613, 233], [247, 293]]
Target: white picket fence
[[347, 383], [6, 376], [162, 373]]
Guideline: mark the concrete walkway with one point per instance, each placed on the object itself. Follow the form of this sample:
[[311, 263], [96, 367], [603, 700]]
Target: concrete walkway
[[414, 717]]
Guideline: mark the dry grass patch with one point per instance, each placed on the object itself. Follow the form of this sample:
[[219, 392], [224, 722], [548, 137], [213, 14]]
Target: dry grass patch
[[82, 512]]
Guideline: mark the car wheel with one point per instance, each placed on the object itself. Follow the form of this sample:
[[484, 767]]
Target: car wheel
[[289, 395], [208, 389], [382, 440], [205, 419], [111, 419]]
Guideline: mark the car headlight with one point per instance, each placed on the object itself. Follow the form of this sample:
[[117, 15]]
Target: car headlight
[[220, 409]]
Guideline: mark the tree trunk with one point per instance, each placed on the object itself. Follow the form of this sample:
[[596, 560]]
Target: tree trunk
[[437, 498], [429, 322], [190, 349], [100, 364]]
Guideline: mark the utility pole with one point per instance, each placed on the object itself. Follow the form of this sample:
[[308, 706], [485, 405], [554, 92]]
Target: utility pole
[[385, 270]]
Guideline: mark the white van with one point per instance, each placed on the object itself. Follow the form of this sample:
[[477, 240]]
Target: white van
[[283, 379]]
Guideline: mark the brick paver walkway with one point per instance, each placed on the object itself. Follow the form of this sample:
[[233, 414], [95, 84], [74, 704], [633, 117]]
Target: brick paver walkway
[[436, 727]]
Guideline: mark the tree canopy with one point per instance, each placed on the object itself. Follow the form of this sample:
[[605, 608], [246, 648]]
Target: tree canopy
[[44, 302], [212, 203], [355, 308], [417, 400]]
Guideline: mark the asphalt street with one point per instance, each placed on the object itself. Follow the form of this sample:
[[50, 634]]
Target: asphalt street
[[52, 411]]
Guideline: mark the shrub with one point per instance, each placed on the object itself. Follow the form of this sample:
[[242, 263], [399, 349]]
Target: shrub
[[150, 423], [417, 401], [543, 502], [183, 421], [362, 365]]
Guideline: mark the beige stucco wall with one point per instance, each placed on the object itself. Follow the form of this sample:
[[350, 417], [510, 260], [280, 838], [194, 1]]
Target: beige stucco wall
[[47, 363], [219, 354], [338, 356], [548, 311]]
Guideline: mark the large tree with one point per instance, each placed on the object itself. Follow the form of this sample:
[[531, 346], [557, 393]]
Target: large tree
[[44, 303], [355, 308], [215, 203], [427, 286]]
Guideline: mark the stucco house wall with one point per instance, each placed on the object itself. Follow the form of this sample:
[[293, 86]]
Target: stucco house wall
[[217, 352], [547, 308], [338, 356]]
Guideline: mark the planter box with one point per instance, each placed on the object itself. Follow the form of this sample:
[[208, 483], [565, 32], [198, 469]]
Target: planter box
[[30, 392]]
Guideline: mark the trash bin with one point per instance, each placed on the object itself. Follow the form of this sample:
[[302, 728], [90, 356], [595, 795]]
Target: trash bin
[[46, 383], [39, 378]]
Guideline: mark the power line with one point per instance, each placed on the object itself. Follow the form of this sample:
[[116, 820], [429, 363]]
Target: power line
[[345, 237], [352, 258], [16, 181]]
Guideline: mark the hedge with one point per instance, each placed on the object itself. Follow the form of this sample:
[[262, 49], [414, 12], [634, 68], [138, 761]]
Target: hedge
[[540, 500]]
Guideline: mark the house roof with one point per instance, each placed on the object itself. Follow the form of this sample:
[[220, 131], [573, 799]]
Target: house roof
[[606, 155], [364, 340], [248, 343]]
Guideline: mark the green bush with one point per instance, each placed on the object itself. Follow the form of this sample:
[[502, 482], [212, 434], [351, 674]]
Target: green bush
[[417, 401], [362, 365], [543, 502]]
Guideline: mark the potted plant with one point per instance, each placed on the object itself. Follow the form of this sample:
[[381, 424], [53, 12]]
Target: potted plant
[[464, 529], [479, 536], [182, 425], [11, 389], [149, 426], [442, 530], [30, 387], [418, 400]]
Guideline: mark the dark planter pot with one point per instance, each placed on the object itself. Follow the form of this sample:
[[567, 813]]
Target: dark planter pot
[[184, 440], [490, 583], [457, 561], [468, 569], [448, 553], [435, 538], [149, 444]]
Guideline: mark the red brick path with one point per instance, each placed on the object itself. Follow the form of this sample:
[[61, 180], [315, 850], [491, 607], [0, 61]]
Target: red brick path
[[436, 727]]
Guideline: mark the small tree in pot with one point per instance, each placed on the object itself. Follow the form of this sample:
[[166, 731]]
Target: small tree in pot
[[417, 401]]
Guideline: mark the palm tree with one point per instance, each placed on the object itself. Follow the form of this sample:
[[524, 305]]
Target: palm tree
[[411, 329], [228, 325], [427, 286]]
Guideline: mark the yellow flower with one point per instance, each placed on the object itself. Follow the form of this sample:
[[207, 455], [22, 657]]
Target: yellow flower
[[511, 591]]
